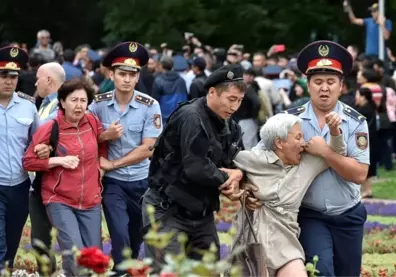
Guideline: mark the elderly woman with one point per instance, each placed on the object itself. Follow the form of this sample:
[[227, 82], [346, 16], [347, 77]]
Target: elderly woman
[[71, 183], [282, 172]]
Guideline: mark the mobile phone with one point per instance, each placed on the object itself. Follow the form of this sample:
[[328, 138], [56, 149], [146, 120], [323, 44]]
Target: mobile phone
[[279, 48]]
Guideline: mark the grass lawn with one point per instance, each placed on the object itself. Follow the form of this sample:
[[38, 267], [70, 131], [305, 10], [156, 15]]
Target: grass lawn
[[379, 248], [385, 186]]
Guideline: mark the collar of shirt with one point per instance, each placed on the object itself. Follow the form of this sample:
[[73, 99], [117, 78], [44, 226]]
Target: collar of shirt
[[14, 99], [309, 112], [132, 103], [49, 98]]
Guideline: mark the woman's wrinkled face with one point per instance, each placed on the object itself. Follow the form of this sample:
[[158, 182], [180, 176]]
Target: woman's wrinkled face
[[293, 147], [75, 105]]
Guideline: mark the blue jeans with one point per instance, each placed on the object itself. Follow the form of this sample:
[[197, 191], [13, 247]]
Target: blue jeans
[[337, 240], [123, 213], [80, 228], [14, 210]]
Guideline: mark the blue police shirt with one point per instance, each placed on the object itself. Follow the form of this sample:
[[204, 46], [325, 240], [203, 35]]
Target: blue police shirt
[[139, 120], [329, 193], [18, 122]]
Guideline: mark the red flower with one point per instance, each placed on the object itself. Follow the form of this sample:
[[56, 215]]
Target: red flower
[[142, 271], [168, 274], [93, 258]]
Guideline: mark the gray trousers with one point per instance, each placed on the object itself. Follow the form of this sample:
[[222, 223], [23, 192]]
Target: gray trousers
[[249, 128], [80, 228], [201, 232]]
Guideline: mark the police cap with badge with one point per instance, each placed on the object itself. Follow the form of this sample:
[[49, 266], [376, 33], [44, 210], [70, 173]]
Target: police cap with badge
[[324, 56], [128, 56], [12, 60], [225, 74]]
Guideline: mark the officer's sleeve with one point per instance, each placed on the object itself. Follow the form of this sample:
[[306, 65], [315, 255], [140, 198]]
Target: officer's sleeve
[[358, 144], [153, 124], [93, 108], [194, 145], [35, 123]]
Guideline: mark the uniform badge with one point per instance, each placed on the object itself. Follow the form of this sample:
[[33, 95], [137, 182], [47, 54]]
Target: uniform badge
[[324, 50], [230, 75], [157, 121], [361, 140], [14, 52], [133, 47]]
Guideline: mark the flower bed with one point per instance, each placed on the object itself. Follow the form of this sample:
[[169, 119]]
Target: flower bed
[[379, 246]]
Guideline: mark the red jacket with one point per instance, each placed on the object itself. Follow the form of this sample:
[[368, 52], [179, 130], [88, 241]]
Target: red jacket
[[80, 187]]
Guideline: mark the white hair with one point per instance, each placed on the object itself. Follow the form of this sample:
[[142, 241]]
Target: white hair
[[56, 71], [277, 126], [43, 33]]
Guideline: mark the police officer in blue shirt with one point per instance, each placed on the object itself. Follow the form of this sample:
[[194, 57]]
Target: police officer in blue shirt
[[133, 122], [18, 121], [332, 217]]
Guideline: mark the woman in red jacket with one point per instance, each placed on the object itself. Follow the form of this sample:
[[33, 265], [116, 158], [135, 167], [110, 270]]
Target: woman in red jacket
[[71, 184]]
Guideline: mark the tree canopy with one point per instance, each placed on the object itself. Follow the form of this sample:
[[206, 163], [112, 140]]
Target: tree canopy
[[257, 24]]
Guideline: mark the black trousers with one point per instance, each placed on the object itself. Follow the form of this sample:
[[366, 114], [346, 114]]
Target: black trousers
[[201, 232]]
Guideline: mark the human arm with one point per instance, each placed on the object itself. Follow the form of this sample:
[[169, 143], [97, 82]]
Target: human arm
[[351, 15], [152, 128], [386, 26], [194, 144], [354, 166]]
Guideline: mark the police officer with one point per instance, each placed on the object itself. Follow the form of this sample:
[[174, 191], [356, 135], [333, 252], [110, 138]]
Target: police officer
[[18, 121], [191, 164], [133, 122], [332, 216]]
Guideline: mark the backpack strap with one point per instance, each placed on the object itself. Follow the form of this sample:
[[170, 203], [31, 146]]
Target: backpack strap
[[54, 138]]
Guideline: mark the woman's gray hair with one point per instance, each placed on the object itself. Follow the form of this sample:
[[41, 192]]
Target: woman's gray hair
[[277, 126]]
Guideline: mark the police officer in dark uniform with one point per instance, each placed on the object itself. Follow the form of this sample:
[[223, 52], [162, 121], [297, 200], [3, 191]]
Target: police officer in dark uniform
[[192, 164]]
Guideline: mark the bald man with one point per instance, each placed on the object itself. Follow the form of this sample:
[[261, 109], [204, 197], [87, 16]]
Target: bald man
[[50, 77]]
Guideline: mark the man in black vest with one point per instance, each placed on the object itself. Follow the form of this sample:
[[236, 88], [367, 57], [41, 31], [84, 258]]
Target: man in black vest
[[192, 164]]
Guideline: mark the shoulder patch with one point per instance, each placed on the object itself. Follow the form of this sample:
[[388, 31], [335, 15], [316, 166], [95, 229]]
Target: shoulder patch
[[26, 96], [103, 96], [144, 100], [353, 113], [295, 111]]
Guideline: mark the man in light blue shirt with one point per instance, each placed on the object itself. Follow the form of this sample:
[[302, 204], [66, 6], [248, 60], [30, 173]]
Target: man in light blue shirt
[[332, 216], [133, 121], [18, 121], [373, 25]]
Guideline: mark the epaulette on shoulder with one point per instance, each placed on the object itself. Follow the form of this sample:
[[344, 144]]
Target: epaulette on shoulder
[[295, 111], [144, 100], [103, 96], [26, 96], [353, 113]]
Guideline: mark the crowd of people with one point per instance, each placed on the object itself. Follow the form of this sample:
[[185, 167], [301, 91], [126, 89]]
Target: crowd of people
[[105, 131]]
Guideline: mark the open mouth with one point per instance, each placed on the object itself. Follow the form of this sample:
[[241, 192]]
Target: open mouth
[[324, 97]]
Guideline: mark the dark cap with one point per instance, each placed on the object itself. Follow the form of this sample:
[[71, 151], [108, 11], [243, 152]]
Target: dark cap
[[200, 63], [12, 59], [373, 7], [225, 74], [128, 56], [324, 57]]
